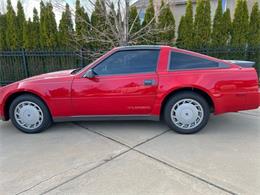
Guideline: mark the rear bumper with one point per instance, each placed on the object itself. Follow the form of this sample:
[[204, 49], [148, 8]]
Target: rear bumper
[[259, 97], [235, 102]]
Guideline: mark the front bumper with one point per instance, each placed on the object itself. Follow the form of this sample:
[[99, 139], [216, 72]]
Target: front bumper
[[2, 117]]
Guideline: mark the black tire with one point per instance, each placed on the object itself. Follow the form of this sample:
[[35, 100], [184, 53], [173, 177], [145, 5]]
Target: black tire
[[186, 95], [46, 119]]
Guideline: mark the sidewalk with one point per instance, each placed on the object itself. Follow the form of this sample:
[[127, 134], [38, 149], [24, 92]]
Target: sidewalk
[[138, 157]]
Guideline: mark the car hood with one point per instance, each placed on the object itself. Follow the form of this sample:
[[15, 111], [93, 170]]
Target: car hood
[[52, 75]]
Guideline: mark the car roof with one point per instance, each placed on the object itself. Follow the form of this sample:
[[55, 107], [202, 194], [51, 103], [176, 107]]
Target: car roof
[[134, 47]]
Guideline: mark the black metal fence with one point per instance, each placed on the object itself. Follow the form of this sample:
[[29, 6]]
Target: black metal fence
[[16, 65]]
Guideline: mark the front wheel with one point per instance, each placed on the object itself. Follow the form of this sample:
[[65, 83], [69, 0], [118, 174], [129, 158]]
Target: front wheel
[[29, 114], [186, 112]]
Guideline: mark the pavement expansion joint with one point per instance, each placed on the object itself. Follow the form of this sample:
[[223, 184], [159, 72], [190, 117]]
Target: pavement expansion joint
[[133, 148], [158, 160]]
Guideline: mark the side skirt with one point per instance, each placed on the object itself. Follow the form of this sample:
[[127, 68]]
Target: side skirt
[[106, 118]]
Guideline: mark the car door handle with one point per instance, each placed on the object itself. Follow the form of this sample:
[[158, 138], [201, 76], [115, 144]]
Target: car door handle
[[149, 82]]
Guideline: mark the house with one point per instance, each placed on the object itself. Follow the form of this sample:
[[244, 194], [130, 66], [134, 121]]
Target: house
[[178, 7]]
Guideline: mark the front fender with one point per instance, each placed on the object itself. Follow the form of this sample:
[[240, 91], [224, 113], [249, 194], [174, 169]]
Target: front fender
[[9, 92]]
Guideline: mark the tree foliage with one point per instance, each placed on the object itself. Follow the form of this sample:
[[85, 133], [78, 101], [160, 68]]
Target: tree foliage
[[226, 29], [221, 27], [35, 30], [186, 33], [189, 26], [48, 27], [117, 25], [240, 25], [217, 30], [166, 25], [11, 31], [254, 27], [65, 28], [134, 20], [3, 45], [27, 32], [149, 24], [181, 32], [98, 22], [82, 22], [202, 24], [20, 20]]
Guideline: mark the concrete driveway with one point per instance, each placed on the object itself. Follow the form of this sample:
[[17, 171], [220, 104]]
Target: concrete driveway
[[133, 158]]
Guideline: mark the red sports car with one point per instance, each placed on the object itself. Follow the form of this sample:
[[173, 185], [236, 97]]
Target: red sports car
[[134, 83]]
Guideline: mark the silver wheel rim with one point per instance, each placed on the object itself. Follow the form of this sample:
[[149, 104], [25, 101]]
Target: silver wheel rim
[[28, 115], [187, 114]]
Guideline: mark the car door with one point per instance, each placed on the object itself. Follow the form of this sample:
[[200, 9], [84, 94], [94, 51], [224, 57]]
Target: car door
[[125, 83]]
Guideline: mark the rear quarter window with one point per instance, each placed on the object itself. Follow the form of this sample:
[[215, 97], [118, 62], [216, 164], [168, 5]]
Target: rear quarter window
[[182, 61]]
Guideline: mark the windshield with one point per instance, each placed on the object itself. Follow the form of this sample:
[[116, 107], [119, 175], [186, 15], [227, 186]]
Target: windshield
[[95, 61]]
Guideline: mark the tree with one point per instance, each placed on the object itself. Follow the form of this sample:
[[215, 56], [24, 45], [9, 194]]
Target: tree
[[11, 31], [35, 31], [98, 25], [31, 32], [134, 20], [188, 28], [189, 35], [226, 28], [254, 36], [81, 24], [149, 24], [254, 27], [65, 28], [181, 36], [110, 27], [111, 21], [98, 15], [48, 27], [20, 20], [27, 34], [217, 30], [166, 25], [2, 31], [202, 24], [42, 25], [240, 25]]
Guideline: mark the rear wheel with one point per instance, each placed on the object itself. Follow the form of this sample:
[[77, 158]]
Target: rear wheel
[[29, 114], [186, 112]]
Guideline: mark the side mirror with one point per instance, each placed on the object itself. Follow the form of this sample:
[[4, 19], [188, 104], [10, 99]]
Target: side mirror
[[89, 74]]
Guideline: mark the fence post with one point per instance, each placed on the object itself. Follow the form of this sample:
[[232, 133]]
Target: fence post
[[81, 58], [25, 64]]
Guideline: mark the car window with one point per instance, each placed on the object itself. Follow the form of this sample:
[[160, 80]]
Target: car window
[[186, 61], [131, 61]]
